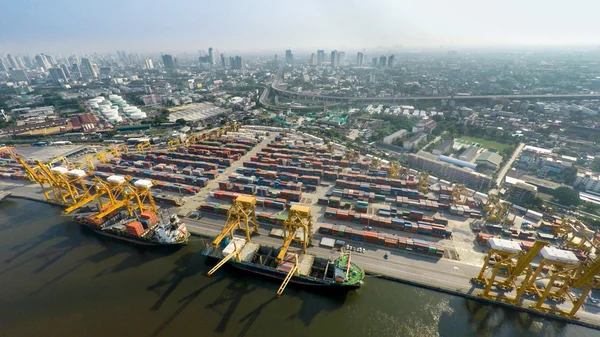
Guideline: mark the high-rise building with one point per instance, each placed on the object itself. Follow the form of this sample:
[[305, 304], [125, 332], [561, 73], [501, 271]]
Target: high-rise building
[[87, 69], [65, 69], [11, 61], [73, 59], [148, 89], [289, 57], [42, 62], [58, 75], [382, 61], [20, 62], [75, 70], [391, 61], [96, 69], [360, 58], [211, 56], [27, 61], [149, 64], [275, 58], [335, 58], [320, 56], [236, 63], [339, 58], [222, 60], [2, 66], [18, 75], [374, 62], [168, 61], [342, 56], [50, 60], [313, 59], [105, 71]]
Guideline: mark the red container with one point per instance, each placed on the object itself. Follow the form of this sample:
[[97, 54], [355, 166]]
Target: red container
[[135, 228]]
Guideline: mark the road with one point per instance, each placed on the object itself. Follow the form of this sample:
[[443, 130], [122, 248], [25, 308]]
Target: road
[[509, 164]]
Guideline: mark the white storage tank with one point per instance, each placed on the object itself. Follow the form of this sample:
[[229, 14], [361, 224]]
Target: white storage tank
[[116, 120], [138, 115], [116, 179]]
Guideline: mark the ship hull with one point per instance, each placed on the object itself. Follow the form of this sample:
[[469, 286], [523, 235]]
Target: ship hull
[[277, 275], [132, 239]]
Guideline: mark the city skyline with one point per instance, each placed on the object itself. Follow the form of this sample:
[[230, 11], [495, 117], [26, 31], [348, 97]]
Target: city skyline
[[63, 27]]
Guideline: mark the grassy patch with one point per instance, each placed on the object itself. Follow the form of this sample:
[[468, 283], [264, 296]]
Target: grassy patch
[[488, 144]]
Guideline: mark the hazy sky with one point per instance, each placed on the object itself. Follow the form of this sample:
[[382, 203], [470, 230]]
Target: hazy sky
[[187, 25]]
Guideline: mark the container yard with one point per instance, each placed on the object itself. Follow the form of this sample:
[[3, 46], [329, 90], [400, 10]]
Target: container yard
[[414, 228]]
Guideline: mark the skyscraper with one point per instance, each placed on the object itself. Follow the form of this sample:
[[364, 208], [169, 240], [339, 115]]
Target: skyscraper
[[374, 62], [382, 61], [320, 56], [87, 68], [42, 62], [335, 58], [2, 66], [149, 64], [211, 56], [342, 55], [391, 61], [289, 57], [11, 61], [65, 70], [313, 59], [27, 61], [50, 59], [238, 62], [168, 61], [231, 62], [360, 58], [20, 62], [222, 60], [75, 70], [18, 75], [58, 75]]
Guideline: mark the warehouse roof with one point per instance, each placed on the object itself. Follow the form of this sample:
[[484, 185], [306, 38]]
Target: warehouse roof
[[490, 157]]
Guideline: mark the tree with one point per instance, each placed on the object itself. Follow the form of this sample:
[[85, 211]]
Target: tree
[[590, 207], [566, 196], [596, 164], [181, 122], [570, 174], [535, 203]]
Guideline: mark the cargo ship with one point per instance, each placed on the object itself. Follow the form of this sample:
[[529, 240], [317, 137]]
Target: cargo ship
[[338, 273], [146, 228]]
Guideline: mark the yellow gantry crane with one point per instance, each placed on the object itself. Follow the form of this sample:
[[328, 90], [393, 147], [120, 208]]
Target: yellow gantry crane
[[394, 169], [330, 147], [504, 263], [297, 227], [144, 147], [132, 197], [424, 182], [242, 216], [351, 155], [459, 194], [375, 163]]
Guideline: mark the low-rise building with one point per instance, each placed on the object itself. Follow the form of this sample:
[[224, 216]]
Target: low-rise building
[[489, 159], [520, 192], [470, 153], [425, 125], [447, 171], [588, 181], [414, 140], [398, 134]]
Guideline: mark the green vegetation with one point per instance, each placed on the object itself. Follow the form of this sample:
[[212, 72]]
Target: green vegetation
[[596, 165], [162, 117], [488, 144], [391, 124], [566, 196]]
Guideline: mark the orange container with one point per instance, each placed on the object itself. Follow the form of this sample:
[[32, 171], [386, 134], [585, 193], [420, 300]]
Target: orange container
[[135, 228]]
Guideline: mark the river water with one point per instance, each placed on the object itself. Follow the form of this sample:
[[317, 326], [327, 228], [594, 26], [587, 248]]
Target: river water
[[57, 279]]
